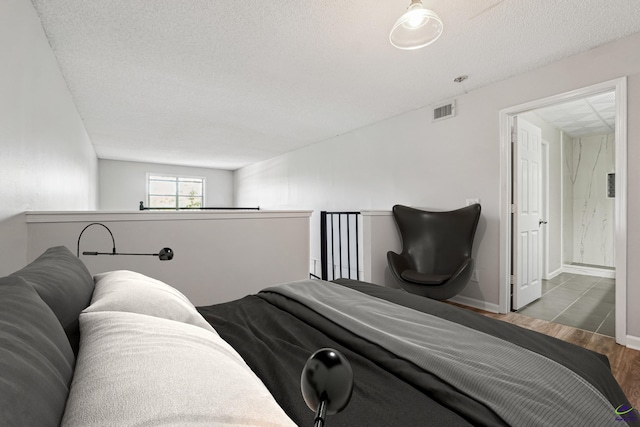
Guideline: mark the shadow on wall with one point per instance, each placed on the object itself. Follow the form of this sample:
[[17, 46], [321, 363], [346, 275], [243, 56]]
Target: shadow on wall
[[13, 234]]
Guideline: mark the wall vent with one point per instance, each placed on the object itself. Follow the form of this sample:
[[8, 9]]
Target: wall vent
[[444, 111]]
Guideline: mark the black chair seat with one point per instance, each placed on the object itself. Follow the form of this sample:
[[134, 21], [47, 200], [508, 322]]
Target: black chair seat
[[424, 279], [436, 250]]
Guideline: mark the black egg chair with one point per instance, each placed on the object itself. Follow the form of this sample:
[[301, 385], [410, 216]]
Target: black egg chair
[[436, 250]]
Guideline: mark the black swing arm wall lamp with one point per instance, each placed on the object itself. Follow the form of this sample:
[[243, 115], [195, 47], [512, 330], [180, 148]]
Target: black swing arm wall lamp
[[165, 254]]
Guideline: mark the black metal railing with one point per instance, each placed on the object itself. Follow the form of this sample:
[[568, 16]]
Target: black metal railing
[[145, 208], [339, 240]]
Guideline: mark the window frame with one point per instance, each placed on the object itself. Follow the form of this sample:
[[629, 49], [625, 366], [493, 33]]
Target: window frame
[[177, 177]]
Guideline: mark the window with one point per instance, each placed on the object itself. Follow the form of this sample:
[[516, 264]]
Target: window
[[175, 191]]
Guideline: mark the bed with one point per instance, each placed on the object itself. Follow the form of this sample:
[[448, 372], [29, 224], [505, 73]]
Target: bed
[[121, 348]]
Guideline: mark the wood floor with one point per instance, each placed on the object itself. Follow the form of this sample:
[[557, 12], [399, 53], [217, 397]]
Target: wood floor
[[625, 363]]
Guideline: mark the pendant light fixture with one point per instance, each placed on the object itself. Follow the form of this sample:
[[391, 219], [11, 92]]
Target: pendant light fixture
[[417, 28]]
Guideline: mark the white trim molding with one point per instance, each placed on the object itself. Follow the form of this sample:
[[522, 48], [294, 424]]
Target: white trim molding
[[589, 271], [555, 273], [102, 216], [476, 303], [633, 342]]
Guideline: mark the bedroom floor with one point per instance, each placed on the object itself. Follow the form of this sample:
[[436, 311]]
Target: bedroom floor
[[583, 302]]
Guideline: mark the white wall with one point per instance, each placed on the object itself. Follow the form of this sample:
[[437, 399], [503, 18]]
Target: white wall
[[124, 184], [218, 256], [47, 159], [409, 159]]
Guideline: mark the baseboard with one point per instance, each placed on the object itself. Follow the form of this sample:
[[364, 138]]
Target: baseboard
[[588, 271], [476, 303], [554, 274], [633, 342]]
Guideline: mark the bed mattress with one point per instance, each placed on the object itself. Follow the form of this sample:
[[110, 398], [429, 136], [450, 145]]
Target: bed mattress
[[276, 334]]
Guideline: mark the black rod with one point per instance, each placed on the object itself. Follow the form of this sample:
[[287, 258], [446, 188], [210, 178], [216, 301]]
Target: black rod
[[212, 208], [115, 253], [357, 253], [323, 245], [333, 262], [349, 245], [340, 243], [321, 413], [203, 209]]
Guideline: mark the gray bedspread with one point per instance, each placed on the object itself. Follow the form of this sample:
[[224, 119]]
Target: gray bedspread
[[521, 386]]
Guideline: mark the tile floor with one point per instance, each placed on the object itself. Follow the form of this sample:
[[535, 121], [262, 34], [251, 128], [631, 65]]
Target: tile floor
[[584, 302]]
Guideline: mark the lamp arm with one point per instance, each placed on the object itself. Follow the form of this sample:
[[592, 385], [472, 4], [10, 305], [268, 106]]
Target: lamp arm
[[125, 253], [321, 413], [165, 254], [113, 252]]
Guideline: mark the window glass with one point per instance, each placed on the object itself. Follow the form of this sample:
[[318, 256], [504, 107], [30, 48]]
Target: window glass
[[190, 202], [162, 187], [190, 188], [175, 191], [162, 201]]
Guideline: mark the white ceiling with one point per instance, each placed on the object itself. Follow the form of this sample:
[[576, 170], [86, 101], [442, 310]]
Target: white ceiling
[[595, 115], [222, 84]]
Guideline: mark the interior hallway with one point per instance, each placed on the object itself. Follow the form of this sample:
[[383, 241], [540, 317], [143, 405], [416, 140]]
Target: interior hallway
[[584, 302]]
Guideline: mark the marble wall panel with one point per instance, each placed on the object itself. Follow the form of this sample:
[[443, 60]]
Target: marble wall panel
[[568, 177], [588, 160]]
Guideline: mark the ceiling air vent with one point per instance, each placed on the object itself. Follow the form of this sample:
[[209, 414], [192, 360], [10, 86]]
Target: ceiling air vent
[[444, 111]]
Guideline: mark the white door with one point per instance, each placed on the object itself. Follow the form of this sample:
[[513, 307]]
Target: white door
[[526, 208]]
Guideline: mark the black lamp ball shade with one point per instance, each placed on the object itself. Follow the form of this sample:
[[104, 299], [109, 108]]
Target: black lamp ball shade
[[165, 254], [327, 376]]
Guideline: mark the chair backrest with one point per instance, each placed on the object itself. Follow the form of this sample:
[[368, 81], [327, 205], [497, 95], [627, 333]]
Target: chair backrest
[[437, 242]]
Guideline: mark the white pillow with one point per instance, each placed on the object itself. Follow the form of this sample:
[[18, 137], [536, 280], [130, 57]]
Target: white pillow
[[134, 369], [133, 292]]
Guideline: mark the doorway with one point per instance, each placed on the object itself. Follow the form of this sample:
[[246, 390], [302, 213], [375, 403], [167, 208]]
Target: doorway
[[576, 214], [507, 118]]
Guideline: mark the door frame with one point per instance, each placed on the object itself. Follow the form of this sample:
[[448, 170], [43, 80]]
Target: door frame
[[619, 86]]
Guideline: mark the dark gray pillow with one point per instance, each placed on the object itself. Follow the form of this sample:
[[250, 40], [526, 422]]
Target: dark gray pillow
[[36, 361], [64, 284]]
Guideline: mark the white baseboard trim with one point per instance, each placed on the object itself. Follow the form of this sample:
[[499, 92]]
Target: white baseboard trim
[[633, 342], [554, 274], [476, 303], [589, 271]]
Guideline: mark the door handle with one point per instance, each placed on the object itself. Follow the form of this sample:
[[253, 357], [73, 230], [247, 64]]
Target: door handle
[[541, 222]]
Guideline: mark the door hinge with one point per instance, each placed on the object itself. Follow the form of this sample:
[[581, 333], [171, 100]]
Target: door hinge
[[514, 208], [513, 279]]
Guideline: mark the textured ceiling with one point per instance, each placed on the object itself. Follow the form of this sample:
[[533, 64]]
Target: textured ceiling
[[594, 115], [226, 83]]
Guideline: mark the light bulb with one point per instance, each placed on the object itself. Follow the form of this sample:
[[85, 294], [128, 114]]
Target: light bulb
[[416, 19]]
